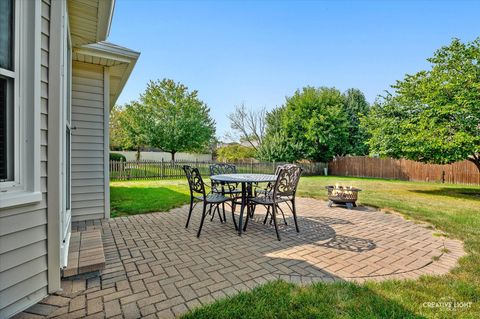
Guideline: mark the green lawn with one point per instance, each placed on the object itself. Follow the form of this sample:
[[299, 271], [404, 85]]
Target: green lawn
[[139, 197], [454, 209]]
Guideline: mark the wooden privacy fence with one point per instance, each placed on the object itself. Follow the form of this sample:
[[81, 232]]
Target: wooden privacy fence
[[457, 173], [129, 170]]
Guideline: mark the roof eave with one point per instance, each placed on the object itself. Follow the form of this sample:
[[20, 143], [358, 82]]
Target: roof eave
[[110, 51], [90, 21], [104, 18]]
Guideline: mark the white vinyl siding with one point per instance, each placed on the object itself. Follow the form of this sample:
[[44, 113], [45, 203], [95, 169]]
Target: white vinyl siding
[[88, 198], [23, 229]]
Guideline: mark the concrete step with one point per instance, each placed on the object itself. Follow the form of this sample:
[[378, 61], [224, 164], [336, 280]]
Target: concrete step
[[85, 253]]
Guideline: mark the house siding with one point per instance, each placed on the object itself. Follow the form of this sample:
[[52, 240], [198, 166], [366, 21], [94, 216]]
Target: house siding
[[88, 196], [23, 229]]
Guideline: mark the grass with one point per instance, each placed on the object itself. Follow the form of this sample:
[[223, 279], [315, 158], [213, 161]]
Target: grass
[[139, 197], [279, 299], [451, 209]]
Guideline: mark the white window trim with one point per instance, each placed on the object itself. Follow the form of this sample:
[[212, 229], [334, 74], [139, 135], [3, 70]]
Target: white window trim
[[26, 186]]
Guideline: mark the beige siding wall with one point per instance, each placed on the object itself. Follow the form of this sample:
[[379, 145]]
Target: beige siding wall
[[88, 199], [23, 229]]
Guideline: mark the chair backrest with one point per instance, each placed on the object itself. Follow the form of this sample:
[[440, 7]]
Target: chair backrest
[[195, 181], [287, 180], [277, 170], [279, 167], [222, 168]]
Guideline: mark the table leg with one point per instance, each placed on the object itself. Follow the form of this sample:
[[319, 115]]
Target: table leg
[[242, 208], [249, 206]]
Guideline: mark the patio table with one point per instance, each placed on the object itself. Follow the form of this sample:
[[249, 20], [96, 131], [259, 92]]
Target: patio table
[[245, 180]]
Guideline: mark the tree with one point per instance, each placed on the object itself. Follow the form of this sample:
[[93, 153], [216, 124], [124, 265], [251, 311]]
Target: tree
[[315, 122], [356, 106], [273, 120], [249, 124], [434, 115], [178, 120], [116, 133], [235, 152], [133, 123], [276, 145]]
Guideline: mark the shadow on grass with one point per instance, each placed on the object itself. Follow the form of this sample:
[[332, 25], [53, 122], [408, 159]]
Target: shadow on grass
[[463, 193], [125, 201], [279, 299]]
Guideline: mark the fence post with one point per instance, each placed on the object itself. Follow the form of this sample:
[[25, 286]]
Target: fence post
[[162, 169]]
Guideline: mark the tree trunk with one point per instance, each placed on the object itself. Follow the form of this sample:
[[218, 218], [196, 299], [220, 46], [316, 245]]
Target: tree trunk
[[475, 159], [173, 156], [138, 153]]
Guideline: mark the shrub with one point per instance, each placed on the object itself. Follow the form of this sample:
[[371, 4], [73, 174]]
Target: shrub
[[117, 157], [235, 152]]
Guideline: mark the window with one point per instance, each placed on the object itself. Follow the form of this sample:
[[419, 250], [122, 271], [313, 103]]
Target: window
[[7, 78], [20, 23]]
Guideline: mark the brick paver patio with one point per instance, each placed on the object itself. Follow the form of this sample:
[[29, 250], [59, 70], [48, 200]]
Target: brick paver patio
[[155, 268]]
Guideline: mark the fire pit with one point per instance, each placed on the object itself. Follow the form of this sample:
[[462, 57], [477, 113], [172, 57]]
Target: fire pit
[[343, 195]]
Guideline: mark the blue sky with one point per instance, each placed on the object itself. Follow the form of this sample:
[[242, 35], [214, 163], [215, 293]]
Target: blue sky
[[258, 52]]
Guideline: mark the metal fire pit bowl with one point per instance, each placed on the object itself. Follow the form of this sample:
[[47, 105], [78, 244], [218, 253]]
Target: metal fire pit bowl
[[343, 196]]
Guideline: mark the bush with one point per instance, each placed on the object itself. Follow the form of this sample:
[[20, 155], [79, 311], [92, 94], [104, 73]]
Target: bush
[[117, 157], [235, 152]]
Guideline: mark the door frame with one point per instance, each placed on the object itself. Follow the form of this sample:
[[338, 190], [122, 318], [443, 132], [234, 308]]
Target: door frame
[[66, 167], [54, 150]]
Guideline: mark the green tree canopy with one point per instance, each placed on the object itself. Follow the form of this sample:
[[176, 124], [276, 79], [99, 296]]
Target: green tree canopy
[[356, 106], [235, 152], [128, 127], [178, 120], [315, 124], [276, 145], [434, 115], [116, 133]]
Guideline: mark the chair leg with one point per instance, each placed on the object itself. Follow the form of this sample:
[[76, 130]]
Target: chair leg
[[223, 209], [274, 217], [204, 214], [283, 214], [210, 212], [217, 208], [248, 217], [294, 211], [189, 212], [252, 210], [266, 215], [234, 220]]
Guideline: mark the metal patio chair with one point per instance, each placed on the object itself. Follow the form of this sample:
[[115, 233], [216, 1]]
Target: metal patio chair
[[210, 200], [230, 189], [269, 187], [283, 191]]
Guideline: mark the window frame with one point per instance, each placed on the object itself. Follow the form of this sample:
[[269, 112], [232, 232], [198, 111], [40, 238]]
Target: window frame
[[6, 186], [25, 186]]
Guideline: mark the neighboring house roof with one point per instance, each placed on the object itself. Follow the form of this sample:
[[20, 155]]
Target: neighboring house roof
[[90, 20], [120, 61]]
